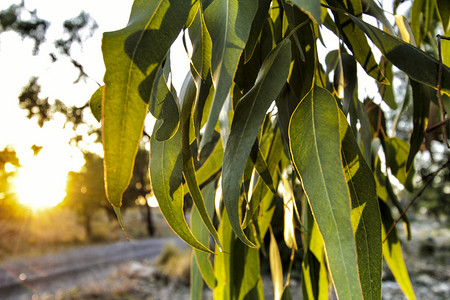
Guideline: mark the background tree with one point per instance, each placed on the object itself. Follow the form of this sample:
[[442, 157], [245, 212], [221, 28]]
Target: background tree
[[86, 193], [140, 187]]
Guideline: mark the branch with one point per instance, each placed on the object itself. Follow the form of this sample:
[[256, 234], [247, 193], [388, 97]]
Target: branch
[[411, 202]]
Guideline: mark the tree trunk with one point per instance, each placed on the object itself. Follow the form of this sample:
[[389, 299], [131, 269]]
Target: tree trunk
[[150, 226]]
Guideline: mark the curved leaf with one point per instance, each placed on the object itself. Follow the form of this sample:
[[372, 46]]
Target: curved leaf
[[248, 118], [132, 59], [163, 105], [315, 147], [417, 64], [421, 109], [166, 176], [200, 231], [311, 7], [229, 23], [276, 268], [187, 97], [355, 39], [392, 253]]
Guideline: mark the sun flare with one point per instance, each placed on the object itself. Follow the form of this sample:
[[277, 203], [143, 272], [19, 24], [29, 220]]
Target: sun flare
[[41, 182]]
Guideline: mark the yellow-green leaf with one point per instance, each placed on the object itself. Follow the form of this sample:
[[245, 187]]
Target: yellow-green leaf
[[132, 59], [392, 253], [166, 176]]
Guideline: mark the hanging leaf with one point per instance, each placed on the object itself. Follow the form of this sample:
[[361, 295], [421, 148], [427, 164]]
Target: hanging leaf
[[229, 33], [392, 253], [132, 62], [187, 96], [199, 230], [163, 105], [289, 220], [387, 91], [276, 269], [166, 168], [422, 96], [257, 26], [315, 148], [355, 39], [248, 118], [443, 8], [417, 64], [196, 280]]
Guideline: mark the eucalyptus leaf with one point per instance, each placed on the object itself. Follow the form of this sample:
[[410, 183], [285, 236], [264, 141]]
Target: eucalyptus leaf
[[229, 33], [132, 61], [417, 64], [248, 118], [315, 147]]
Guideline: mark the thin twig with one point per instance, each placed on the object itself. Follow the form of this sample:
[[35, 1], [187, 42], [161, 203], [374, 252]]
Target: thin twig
[[436, 126], [411, 202], [439, 94]]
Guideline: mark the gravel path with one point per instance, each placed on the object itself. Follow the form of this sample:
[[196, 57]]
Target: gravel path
[[21, 278]]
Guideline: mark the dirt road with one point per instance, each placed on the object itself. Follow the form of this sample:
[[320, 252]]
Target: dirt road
[[21, 278]]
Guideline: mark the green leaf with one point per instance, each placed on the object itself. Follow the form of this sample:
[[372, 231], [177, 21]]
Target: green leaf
[[310, 7], [397, 153], [443, 8], [355, 39], [163, 105], [417, 64], [229, 32], [188, 97], [166, 176], [345, 74], [365, 213], [245, 281], [257, 26], [276, 269], [222, 260], [196, 280], [370, 7], [392, 253], [315, 147], [132, 60], [422, 95], [387, 90], [421, 17], [199, 230], [289, 220], [261, 166], [314, 265], [95, 103], [248, 118]]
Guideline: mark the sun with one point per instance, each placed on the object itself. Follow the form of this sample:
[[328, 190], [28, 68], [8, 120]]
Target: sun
[[41, 182]]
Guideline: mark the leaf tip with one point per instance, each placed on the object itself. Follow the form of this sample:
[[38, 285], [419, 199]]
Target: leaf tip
[[119, 219]]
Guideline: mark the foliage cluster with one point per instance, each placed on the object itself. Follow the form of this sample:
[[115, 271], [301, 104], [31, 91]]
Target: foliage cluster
[[260, 119]]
